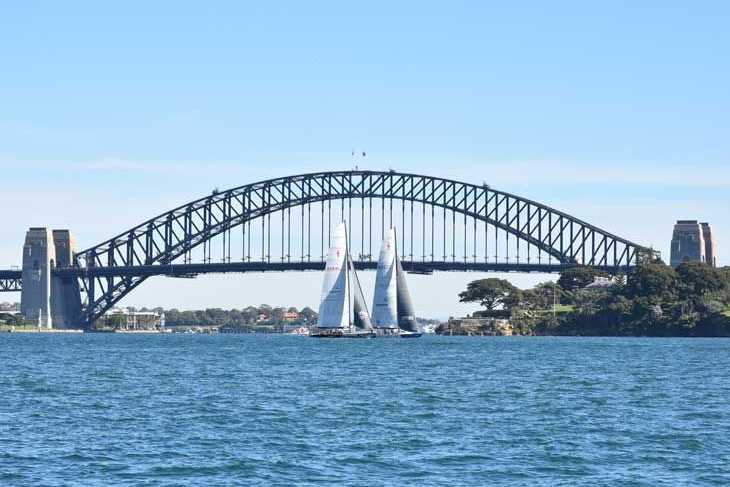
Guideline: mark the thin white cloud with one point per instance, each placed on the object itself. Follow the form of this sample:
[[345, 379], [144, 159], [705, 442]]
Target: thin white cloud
[[116, 165], [501, 174], [120, 165], [567, 173]]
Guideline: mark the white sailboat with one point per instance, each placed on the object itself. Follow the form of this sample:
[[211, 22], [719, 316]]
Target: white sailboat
[[393, 313], [385, 304], [342, 309]]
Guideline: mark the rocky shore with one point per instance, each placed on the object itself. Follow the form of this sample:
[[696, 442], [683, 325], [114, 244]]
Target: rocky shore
[[475, 327]]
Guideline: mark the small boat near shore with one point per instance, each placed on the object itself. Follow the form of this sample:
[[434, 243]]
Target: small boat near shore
[[410, 334]]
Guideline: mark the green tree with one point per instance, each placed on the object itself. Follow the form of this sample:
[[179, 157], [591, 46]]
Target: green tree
[[277, 314], [249, 314], [655, 282], [11, 319], [490, 293], [544, 294], [516, 298], [697, 280], [308, 315], [578, 277], [725, 294], [116, 320]]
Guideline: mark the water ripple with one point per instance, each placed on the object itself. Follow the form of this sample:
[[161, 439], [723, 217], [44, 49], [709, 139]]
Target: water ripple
[[238, 409]]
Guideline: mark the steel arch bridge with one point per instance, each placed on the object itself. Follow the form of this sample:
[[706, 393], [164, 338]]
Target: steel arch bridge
[[442, 225]]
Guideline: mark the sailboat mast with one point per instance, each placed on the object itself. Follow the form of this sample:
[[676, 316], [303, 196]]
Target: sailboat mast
[[347, 278], [395, 269]]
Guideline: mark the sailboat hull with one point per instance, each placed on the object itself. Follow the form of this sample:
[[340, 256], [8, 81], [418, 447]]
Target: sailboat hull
[[339, 333], [330, 333], [396, 333]]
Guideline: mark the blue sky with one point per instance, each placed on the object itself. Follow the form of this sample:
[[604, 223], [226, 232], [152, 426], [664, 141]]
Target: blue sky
[[112, 113]]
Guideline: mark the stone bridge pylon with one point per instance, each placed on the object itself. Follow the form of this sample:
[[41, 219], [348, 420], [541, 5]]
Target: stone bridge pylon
[[50, 300]]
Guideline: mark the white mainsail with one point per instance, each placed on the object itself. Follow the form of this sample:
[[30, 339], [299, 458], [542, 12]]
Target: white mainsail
[[385, 302], [334, 308]]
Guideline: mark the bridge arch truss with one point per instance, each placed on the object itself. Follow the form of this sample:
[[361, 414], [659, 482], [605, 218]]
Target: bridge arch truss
[[454, 225]]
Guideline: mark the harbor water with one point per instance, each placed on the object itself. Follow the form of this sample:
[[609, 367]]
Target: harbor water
[[158, 410]]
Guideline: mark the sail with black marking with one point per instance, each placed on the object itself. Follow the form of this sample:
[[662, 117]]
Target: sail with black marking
[[361, 316], [334, 307], [385, 300], [406, 312]]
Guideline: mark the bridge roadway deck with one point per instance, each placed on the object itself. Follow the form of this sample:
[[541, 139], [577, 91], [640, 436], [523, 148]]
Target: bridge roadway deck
[[10, 280], [11, 274], [184, 270]]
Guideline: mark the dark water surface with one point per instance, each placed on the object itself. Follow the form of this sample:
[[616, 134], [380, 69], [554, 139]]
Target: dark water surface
[[280, 410]]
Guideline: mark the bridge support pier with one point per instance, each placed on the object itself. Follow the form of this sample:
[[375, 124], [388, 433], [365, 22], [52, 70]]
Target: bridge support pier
[[65, 292], [50, 301], [39, 256]]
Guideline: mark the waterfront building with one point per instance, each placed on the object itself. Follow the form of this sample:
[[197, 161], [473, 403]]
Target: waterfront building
[[601, 283], [290, 316], [124, 319]]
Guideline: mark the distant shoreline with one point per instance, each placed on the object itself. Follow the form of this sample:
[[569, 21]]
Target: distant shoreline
[[39, 330], [484, 335]]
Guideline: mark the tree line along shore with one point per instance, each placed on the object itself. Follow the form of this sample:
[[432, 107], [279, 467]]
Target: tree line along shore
[[691, 300]]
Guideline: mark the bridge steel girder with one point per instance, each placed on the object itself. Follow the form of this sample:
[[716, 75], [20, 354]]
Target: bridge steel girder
[[172, 234], [10, 281], [192, 270], [14, 284], [10, 285]]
